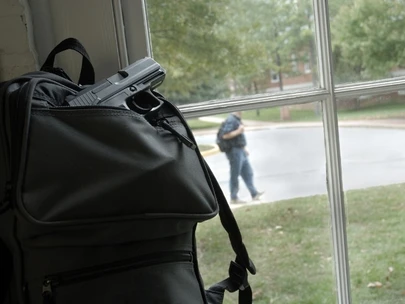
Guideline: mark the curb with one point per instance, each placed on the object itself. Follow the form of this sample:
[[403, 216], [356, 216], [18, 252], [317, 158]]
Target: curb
[[213, 150], [341, 124]]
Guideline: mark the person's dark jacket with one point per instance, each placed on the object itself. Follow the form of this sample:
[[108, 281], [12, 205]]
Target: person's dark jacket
[[231, 124]]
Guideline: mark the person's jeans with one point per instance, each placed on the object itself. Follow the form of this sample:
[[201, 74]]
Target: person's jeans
[[240, 165]]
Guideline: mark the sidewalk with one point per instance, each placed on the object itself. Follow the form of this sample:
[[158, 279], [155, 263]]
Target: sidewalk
[[250, 125]]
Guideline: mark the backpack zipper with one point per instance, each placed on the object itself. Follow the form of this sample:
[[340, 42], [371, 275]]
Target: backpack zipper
[[163, 124], [67, 108], [51, 282]]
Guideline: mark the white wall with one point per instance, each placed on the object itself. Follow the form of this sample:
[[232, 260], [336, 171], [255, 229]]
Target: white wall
[[49, 22], [16, 57]]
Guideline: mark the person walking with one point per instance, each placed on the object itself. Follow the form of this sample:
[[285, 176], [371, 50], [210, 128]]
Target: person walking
[[237, 154]]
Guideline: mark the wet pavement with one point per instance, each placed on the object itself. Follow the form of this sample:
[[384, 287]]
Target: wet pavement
[[289, 158]]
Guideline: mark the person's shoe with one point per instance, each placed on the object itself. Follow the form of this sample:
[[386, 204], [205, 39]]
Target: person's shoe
[[237, 201], [257, 196]]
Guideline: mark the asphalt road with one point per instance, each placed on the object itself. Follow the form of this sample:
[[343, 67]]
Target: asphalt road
[[290, 162]]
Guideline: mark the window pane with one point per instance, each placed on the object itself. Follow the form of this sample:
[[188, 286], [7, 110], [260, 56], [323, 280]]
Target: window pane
[[372, 131], [221, 49], [367, 39], [287, 231]]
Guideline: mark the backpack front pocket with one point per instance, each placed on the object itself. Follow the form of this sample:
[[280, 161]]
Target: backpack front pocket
[[164, 278]]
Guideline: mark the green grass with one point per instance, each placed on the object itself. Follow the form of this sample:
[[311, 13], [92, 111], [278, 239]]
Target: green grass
[[273, 114], [294, 260], [196, 124], [385, 111], [205, 147], [394, 110]]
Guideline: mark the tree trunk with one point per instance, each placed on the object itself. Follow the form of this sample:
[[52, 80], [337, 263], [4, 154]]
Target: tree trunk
[[314, 73], [256, 92], [285, 110], [280, 74]]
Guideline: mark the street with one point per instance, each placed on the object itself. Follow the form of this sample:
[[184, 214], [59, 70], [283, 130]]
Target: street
[[290, 162]]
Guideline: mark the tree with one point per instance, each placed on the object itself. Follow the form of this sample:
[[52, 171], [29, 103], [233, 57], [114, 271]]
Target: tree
[[186, 44], [270, 32], [369, 39], [218, 48]]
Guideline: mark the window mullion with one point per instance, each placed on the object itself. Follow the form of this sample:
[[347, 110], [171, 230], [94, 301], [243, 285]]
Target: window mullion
[[332, 150], [137, 32], [120, 33]]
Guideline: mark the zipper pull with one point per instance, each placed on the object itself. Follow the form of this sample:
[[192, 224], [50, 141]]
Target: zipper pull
[[181, 137], [47, 292]]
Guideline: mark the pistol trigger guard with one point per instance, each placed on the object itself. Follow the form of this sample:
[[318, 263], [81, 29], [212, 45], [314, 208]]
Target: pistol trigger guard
[[145, 103], [159, 102]]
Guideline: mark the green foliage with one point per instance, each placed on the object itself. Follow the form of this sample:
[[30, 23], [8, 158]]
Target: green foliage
[[184, 41], [273, 115], [270, 33], [196, 124], [215, 49], [218, 48], [369, 40]]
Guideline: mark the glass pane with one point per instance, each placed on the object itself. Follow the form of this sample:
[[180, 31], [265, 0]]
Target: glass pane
[[287, 231], [372, 131], [219, 49], [367, 39]]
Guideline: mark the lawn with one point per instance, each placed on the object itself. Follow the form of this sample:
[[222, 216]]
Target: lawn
[[290, 243], [273, 115], [385, 111], [196, 124], [393, 110]]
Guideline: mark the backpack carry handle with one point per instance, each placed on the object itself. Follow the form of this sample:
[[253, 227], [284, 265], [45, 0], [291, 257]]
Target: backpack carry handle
[[87, 70]]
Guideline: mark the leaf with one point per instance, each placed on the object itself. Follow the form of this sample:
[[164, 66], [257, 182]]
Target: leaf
[[375, 285], [257, 294], [378, 284]]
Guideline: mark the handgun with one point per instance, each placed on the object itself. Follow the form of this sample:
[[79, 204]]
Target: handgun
[[120, 89]]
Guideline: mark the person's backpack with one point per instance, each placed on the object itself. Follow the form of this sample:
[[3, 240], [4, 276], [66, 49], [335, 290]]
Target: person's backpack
[[223, 145], [100, 203]]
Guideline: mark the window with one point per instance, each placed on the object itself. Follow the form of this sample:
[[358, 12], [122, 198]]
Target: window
[[307, 68], [218, 42], [372, 198], [294, 63], [293, 228], [365, 41], [220, 56], [275, 77]]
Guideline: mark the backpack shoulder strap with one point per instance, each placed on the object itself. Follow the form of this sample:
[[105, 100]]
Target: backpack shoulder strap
[[229, 223], [238, 276]]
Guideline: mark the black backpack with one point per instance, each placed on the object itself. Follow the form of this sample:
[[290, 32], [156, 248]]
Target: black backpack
[[100, 203], [223, 145]]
